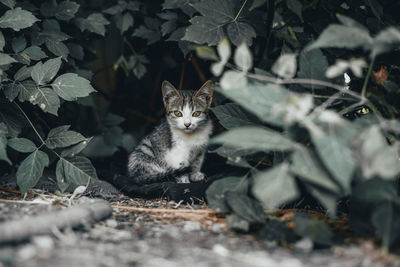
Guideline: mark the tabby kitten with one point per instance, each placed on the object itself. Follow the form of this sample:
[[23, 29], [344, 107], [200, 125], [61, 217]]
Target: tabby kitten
[[175, 149]]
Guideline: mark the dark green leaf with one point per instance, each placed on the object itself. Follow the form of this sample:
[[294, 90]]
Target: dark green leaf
[[21, 145], [75, 170], [307, 167], [275, 187], [12, 117], [275, 230], [94, 23], [76, 51], [386, 220], [48, 8], [118, 8], [232, 115], [75, 149], [31, 169], [26, 90], [17, 19], [168, 27], [246, 207], [2, 41], [112, 119], [151, 36], [70, 86], [6, 59], [215, 193], [237, 223], [45, 72], [57, 48], [241, 32], [23, 73], [221, 10], [251, 137], [61, 137], [66, 10], [317, 230], [62, 181], [35, 52], [8, 3], [46, 99], [296, 7], [18, 44], [204, 30], [99, 148], [312, 65], [341, 36], [3, 142], [124, 22]]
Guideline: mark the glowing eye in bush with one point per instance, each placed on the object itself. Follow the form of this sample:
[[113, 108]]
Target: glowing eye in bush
[[178, 113], [196, 114]]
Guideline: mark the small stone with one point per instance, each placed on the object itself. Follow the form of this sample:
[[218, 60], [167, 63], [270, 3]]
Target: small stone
[[43, 242], [27, 252], [304, 245], [191, 226], [217, 227], [111, 223]]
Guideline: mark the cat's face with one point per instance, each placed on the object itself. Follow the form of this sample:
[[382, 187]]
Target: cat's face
[[187, 110]]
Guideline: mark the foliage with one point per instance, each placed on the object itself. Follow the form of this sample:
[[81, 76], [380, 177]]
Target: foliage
[[294, 89]]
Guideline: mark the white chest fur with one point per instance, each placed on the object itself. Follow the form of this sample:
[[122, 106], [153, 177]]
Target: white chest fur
[[184, 144]]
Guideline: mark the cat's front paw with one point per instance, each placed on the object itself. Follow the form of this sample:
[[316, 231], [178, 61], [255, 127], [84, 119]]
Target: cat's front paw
[[184, 179], [196, 177]]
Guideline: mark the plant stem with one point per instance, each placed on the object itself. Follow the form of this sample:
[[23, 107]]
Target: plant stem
[[30, 122], [364, 88], [130, 46], [240, 10]]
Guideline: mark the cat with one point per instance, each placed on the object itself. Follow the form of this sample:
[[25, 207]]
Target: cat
[[175, 149]]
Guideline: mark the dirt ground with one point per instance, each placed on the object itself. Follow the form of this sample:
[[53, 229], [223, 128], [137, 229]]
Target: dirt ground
[[160, 233]]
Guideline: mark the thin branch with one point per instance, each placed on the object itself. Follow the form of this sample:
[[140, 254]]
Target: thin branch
[[176, 211], [30, 122], [364, 88], [240, 10]]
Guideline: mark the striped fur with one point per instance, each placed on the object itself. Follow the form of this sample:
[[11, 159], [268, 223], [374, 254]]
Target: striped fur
[[175, 149]]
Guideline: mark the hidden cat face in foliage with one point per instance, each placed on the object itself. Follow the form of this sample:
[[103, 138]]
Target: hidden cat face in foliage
[[187, 110]]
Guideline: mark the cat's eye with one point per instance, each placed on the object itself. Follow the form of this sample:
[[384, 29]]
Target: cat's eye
[[196, 114], [178, 113]]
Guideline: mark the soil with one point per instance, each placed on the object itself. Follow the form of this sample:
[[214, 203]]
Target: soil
[[159, 233]]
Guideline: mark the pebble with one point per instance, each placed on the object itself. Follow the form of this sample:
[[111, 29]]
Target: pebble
[[43, 242], [191, 226], [111, 223]]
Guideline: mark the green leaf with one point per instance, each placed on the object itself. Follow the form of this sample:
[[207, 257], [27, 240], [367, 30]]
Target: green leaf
[[45, 72], [57, 48], [2, 41], [18, 44], [275, 187], [285, 66], [62, 181], [215, 193], [246, 207], [386, 220], [17, 19], [251, 137], [385, 41], [35, 52], [237, 223], [312, 65], [124, 22], [242, 58], [340, 36], [206, 52], [305, 165], [260, 100], [221, 10], [70, 86], [6, 59], [31, 169], [12, 117], [26, 90], [375, 156], [118, 8], [76, 51], [150, 35], [241, 32], [3, 143], [318, 231], [62, 137], [46, 99], [231, 115], [296, 7], [66, 10], [335, 153], [22, 145], [75, 170], [204, 30], [23, 73], [8, 3], [94, 23], [75, 149]]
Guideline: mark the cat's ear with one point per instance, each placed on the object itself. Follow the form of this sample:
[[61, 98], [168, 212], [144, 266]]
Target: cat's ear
[[168, 91], [206, 92]]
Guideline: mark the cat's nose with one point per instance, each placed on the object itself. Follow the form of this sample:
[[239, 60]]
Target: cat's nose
[[187, 124]]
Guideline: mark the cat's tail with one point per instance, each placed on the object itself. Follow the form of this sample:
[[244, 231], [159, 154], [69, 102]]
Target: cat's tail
[[160, 177]]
